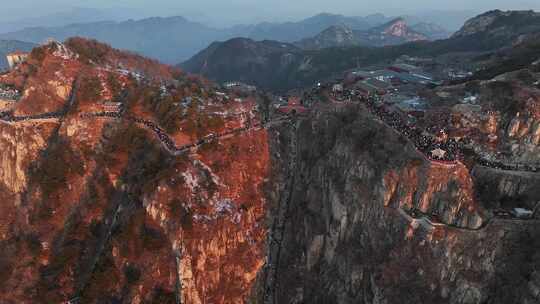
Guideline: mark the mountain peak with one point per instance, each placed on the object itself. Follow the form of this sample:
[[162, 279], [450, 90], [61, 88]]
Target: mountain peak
[[399, 27], [497, 21], [396, 27], [337, 35], [324, 16], [334, 36]]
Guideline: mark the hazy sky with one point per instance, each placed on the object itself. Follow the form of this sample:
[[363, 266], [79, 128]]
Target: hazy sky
[[219, 12]]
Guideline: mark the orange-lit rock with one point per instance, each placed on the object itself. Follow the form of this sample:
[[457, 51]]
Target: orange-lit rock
[[97, 208]]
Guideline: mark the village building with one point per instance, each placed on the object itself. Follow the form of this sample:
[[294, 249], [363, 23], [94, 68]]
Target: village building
[[522, 213], [395, 98], [438, 153], [240, 86], [365, 89], [384, 75], [337, 88], [293, 107], [373, 86], [457, 74], [405, 68], [422, 77], [379, 84], [221, 96], [16, 58], [412, 107], [472, 99]]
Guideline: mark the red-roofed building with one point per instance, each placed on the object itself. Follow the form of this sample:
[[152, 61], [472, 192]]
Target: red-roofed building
[[293, 107]]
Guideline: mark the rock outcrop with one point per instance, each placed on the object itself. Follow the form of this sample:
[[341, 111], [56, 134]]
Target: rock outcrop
[[99, 203], [348, 238], [334, 36]]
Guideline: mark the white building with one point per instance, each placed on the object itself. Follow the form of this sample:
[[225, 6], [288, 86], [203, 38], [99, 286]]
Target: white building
[[522, 213], [337, 88], [16, 58]]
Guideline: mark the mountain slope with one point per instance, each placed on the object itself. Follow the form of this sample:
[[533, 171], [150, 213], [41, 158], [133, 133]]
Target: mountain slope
[[394, 32], [347, 236], [334, 36], [431, 30], [499, 25], [243, 59], [115, 189]]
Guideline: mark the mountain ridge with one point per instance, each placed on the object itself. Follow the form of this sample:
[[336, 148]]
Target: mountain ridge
[[175, 39], [396, 31], [311, 66]]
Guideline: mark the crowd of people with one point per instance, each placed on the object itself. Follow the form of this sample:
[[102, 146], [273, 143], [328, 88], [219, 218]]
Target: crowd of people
[[506, 166], [423, 143], [9, 117], [426, 144], [9, 94]]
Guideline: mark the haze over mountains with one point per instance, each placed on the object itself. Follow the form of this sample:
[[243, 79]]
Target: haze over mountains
[[175, 39], [286, 68], [67, 16], [394, 32]]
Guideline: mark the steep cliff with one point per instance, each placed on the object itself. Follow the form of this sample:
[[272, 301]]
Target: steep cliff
[[343, 231], [126, 181]]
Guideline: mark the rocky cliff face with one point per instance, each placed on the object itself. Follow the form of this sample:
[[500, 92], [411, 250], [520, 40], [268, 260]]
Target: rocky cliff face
[[502, 25], [334, 36], [125, 181], [499, 189], [394, 32], [342, 233], [399, 28], [503, 123]]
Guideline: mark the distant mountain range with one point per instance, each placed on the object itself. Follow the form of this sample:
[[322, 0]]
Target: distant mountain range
[[289, 67], [294, 31], [168, 39], [396, 31], [67, 16], [175, 39], [8, 46]]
